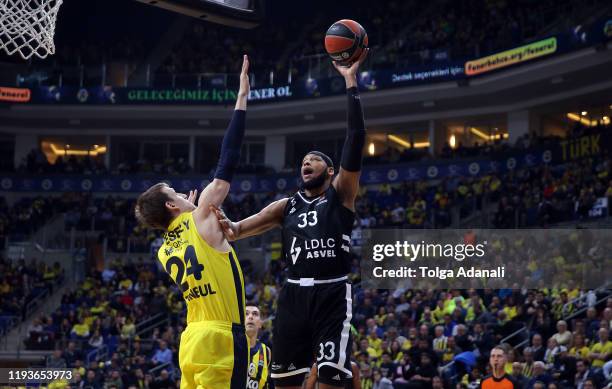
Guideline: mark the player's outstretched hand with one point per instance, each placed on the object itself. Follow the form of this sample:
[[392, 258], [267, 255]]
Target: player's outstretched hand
[[229, 228], [351, 71], [244, 77]]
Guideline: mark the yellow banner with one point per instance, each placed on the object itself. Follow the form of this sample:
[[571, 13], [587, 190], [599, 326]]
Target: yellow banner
[[511, 57]]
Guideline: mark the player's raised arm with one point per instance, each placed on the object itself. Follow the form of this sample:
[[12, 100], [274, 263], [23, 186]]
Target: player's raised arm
[[268, 218], [217, 190], [347, 181]]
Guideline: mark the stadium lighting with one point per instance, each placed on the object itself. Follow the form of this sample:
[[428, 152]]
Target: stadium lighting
[[585, 121], [399, 141], [484, 136], [584, 113], [371, 149], [406, 144], [452, 141], [479, 133], [499, 136], [67, 151]]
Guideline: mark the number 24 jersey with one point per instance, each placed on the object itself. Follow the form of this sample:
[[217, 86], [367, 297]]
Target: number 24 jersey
[[211, 281]]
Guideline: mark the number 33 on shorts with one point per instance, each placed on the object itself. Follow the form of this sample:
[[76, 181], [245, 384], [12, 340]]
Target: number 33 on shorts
[[327, 351]]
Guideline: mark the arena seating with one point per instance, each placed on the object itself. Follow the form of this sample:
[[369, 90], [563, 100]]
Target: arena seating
[[491, 26], [20, 284], [101, 322]]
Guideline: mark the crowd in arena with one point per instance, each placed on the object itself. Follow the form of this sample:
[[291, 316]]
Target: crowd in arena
[[23, 217], [36, 162], [537, 196], [401, 338], [467, 29], [20, 284], [95, 328]]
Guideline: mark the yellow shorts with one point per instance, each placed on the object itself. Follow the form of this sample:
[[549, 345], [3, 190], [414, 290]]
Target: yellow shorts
[[213, 355]]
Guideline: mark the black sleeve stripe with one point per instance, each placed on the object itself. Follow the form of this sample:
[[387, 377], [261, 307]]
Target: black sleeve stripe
[[237, 286]]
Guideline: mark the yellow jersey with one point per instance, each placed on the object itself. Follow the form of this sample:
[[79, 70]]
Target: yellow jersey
[[600, 348], [259, 367], [211, 281]]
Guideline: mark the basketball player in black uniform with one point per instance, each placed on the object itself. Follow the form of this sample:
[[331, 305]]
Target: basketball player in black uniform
[[315, 305]]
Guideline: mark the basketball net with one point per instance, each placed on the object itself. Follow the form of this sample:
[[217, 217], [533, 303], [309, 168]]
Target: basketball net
[[27, 27]]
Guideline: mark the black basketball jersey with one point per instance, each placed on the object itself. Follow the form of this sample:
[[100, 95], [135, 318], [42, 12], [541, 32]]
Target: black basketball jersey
[[317, 236]]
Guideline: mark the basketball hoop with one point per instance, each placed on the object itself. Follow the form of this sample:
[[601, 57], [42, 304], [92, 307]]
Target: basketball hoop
[[27, 27]]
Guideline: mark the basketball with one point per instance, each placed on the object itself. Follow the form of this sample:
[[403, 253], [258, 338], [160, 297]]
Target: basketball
[[345, 40]]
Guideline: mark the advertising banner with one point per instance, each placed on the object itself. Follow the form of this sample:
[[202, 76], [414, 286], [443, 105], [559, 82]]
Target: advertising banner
[[310, 88], [134, 96], [511, 57], [15, 95]]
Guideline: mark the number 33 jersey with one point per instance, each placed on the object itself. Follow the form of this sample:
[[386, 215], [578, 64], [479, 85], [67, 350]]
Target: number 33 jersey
[[211, 281], [317, 236]]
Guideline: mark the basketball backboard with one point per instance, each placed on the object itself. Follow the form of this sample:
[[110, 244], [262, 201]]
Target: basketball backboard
[[235, 13]]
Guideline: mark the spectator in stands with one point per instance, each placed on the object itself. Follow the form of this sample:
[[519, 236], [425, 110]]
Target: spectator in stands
[[528, 362], [601, 350], [71, 354], [56, 360], [92, 380], [35, 328], [440, 340], [517, 375], [128, 330], [437, 383], [425, 372], [80, 330], [114, 380], [163, 381], [563, 337], [590, 383], [583, 372], [380, 381], [553, 351], [96, 340], [163, 355], [539, 375], [537, 347]]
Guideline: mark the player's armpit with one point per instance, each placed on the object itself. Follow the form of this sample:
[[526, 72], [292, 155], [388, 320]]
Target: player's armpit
[[347, 185], [266, 219], [214, 194]]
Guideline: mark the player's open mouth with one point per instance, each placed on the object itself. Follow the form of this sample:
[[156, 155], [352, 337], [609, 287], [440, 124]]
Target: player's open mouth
[[307, 172]]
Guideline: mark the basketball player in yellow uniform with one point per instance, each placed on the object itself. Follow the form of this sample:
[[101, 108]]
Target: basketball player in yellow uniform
[[214, 348], [260, 355]]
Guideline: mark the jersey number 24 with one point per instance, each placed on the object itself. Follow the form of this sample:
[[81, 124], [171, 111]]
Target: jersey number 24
[[194, 268]]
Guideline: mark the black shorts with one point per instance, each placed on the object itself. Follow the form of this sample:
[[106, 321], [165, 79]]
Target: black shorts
[[312, 323]]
